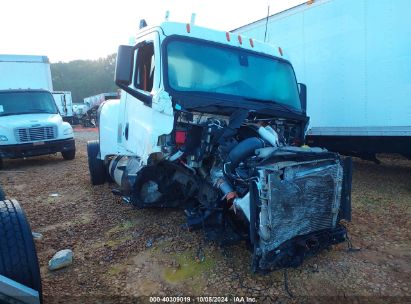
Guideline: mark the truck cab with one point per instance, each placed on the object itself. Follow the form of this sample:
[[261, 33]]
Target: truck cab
[[214, 123], [31, 125], [30, 122]]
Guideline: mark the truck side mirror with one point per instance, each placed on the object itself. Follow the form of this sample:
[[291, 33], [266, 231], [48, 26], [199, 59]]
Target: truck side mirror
[[124, 73], [124, 66], [302, 88]]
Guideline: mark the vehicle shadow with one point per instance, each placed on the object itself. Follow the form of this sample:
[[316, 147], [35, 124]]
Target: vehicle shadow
[[36, 161]]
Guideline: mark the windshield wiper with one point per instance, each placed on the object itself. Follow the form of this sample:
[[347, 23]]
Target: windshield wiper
[[23, 113], [9, 114], [34, 110], [211, 104], [230, 103], [265, 101]]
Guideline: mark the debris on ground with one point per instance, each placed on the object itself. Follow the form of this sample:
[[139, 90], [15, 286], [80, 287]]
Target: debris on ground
[[92, 222], [61, 259], [200, 256], [37, 236], [149, 243]]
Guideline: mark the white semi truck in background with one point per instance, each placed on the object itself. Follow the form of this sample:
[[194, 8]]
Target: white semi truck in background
[[64, 103], [355, 56], [30, 123]]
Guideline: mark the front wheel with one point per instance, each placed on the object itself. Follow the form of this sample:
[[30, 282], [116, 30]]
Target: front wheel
[[69, 155], [2, 195], [95, 165]]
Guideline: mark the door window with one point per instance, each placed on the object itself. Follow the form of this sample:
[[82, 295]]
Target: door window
[[144, 73]]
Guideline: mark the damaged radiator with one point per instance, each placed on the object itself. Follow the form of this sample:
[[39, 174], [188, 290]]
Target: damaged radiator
[[298, 198]]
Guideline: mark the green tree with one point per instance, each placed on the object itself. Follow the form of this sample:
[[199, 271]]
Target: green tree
[[84, 77]]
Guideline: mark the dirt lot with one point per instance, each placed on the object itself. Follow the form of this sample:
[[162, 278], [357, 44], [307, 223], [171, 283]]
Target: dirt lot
[[121, 251]]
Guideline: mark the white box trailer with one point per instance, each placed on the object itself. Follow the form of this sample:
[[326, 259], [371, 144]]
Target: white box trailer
[[355, 58], [65, 104], [25, 72]]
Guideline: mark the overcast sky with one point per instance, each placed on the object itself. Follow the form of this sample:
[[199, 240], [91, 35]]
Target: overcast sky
[[66, 30]]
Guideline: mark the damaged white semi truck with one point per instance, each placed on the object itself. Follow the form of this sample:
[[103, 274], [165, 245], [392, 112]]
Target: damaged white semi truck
[[214, 123]]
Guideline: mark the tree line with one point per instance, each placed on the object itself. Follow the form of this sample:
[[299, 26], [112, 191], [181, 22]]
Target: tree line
[[84, 77]]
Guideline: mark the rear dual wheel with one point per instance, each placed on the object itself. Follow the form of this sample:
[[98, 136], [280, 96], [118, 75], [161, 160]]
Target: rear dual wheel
[[2, 195]]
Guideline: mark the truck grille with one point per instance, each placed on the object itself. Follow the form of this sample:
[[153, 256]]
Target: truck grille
[[35, 134]]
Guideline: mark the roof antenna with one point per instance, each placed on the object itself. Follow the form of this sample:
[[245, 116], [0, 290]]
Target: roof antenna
[[193, 18], [266, 24], [167, 15]]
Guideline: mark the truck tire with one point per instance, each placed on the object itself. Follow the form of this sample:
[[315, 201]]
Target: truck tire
[[95, 165], [1, 163], [2, 194], [18, 257], [69, 155]]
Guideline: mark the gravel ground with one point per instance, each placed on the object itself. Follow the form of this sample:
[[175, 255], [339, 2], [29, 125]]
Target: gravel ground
[[121, 251]]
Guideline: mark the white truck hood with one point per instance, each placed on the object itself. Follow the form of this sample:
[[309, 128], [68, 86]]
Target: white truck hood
[[8, 125], [29, 120]]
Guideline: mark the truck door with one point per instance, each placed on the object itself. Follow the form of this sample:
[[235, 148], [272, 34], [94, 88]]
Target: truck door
[[69, 105], [64, 104], [140, 122], [58, 98]]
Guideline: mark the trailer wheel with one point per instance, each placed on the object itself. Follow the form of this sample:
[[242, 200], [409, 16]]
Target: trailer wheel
[[1, 163], [18, 257], [69, 155], [95, 165]]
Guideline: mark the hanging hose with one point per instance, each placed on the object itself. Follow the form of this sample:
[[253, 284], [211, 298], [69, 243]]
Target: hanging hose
[[244, 149]]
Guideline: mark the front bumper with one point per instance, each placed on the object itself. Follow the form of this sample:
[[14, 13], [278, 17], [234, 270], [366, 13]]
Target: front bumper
[[293, 252], [38, 148]]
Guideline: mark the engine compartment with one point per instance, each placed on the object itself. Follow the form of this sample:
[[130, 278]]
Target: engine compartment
[[245, 177]]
